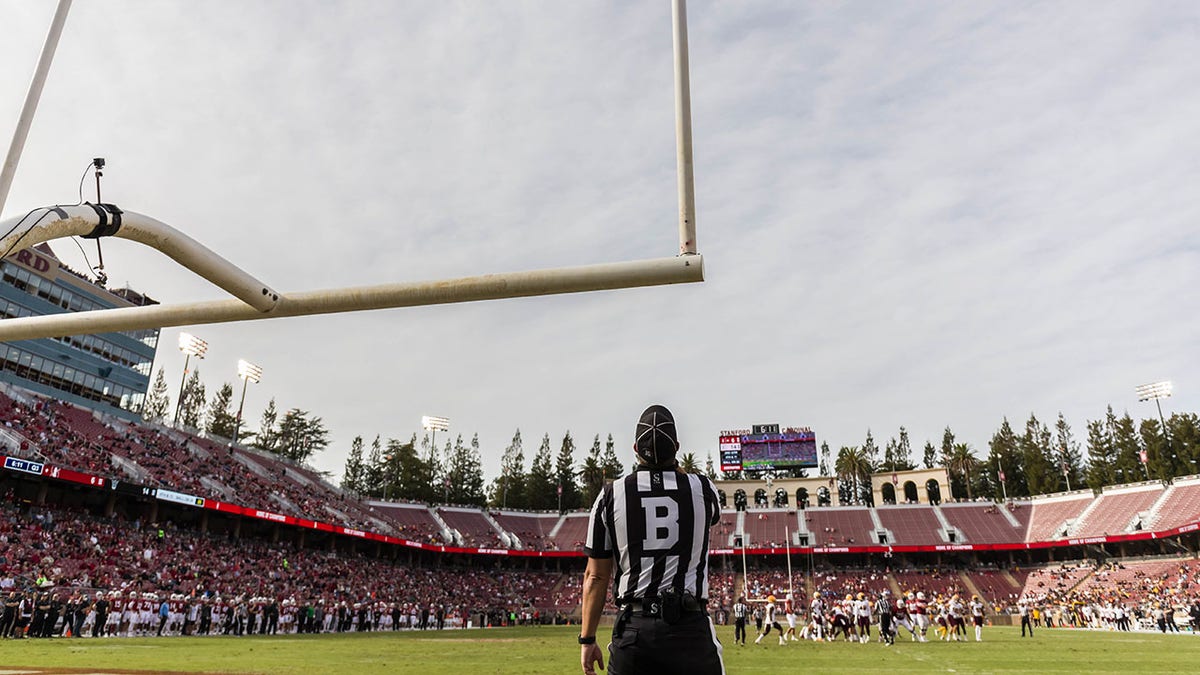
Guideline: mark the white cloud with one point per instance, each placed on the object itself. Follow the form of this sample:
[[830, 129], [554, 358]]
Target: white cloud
[[920, 213]]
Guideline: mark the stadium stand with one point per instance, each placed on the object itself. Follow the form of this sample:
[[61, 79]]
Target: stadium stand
[[1115, 510], [413, 521], [1179, 507], [982, 523], [830, 526], [532, 530], [1049, 516], [911, 525], [996, 587], [472, 526], [769, 527], [1046, 582], [723, 533], [934, 579], [571, 532]]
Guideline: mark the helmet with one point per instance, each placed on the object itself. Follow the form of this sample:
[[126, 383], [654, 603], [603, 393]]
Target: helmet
[[816, 594], [860, 595], [920, 595], [974, 597], [656, 441], [770, 598]]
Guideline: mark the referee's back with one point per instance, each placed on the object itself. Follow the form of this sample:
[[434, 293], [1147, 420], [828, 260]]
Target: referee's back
[[656, 523]]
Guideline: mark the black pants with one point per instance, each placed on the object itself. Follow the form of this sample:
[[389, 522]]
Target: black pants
[[739, 630], [650, 645], [101, 622], [1025, 622], [885, 628]]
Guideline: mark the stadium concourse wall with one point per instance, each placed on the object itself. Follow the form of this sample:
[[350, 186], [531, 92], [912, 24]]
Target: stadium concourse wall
[[52, 472]]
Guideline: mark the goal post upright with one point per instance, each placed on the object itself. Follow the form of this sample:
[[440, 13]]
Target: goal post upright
[[253, 299]]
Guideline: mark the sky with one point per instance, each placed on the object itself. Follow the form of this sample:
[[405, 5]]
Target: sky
[[925, 214]]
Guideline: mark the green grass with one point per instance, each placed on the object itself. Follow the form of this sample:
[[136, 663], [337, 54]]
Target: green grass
[[530, 651]]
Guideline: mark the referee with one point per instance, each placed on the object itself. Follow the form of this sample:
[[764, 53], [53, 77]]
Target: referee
[[740, 610], [648, 534]]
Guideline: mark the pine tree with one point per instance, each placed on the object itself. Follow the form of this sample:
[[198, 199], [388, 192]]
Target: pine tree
[[377, 472], [870, 451], [904, 453], [221, 422], [540, 488], [267, 437], [464, 473], [611, 463], [1128, 464], [352, 475], [1160, 464], [1037, 474], [948, 441], [1002, 460], [1069, 456], [508, 490], [564, 472], [1184, 432], [192, 408], [1102, 455], [929, 458], [410, 472], [709, 469], [158, 402], [301, 435]]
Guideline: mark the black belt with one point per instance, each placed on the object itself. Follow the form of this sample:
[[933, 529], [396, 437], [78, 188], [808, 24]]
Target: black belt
[[655, 607]]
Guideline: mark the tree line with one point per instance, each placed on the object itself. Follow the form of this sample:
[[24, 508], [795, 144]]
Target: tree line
[[296, 435], [1032, 459]]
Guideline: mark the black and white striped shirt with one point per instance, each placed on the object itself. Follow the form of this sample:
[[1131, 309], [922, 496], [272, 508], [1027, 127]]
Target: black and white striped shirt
[[656, 524]]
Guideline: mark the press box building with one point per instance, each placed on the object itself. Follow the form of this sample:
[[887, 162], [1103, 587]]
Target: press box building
[[108, 372]]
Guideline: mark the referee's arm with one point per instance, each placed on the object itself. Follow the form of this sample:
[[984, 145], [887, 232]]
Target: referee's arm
[[595, 589]]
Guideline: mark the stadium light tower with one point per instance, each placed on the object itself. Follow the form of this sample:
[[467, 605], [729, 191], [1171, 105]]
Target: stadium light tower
[[1156, 391], [247, 371], [191, 346], [433, 425]]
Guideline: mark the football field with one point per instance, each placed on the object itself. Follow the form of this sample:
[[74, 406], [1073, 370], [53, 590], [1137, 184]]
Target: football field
[[527, 651]]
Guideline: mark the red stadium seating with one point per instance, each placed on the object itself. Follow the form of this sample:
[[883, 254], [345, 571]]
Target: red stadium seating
[[1114, 510], [982, 523], [769, 527], [1180, 507], [833, 526], [911, 525], [571, 532], [1049, 516], [472, 526]]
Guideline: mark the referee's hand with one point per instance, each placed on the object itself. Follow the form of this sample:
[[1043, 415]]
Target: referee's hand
[[590, 657]]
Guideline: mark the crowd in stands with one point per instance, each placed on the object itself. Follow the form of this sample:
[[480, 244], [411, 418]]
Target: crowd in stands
[[64, 435], [64, 551]]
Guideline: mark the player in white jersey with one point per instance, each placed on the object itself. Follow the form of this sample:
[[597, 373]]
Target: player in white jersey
[[955, 611], [816, 612], [919, 612], [976, 608], [770, 620], [903, 616], [862, 617]]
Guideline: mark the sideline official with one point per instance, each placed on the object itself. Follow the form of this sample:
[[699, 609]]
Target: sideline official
[[648, 535]]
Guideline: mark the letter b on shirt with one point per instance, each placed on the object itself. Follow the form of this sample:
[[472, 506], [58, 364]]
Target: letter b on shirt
[[662, 523]]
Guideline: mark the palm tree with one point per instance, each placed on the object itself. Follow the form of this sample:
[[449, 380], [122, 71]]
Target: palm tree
[[689, 464], [854, 467], [962, 462]]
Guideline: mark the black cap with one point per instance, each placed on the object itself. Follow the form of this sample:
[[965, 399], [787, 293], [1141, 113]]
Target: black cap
[[655, 439]]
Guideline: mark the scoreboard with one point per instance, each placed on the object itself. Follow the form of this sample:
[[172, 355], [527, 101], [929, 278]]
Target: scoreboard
[[766, 447]]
